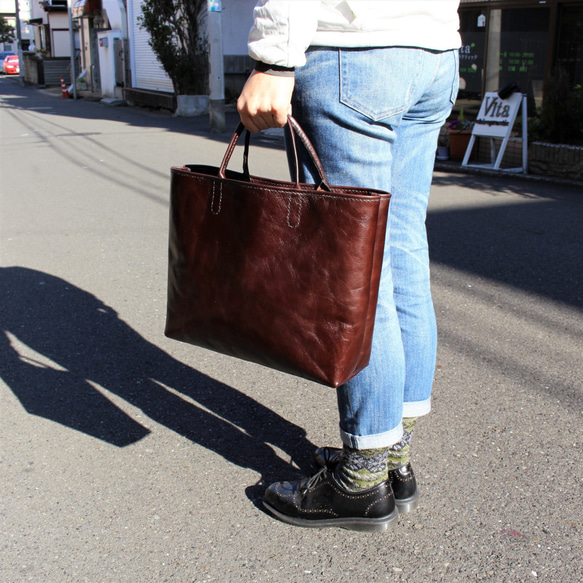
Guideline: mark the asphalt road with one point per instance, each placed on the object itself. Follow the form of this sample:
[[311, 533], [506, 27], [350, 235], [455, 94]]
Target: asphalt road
[[128, 457]]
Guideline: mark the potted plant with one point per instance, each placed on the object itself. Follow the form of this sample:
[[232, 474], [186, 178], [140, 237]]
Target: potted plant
[[460, 132], [443, 143]]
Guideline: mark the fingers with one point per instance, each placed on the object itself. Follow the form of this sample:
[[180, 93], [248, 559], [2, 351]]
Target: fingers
[[265, 101], [257, 122]]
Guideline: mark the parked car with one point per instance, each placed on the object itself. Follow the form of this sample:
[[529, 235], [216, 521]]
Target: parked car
[[3, 55], [11, 65]]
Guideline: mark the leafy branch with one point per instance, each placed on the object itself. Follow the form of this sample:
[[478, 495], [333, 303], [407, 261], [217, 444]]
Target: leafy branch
[[6, 31], [178, 37]]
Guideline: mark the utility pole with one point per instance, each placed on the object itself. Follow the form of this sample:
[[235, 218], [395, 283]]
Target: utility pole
[[216, 80], [19, 44], [72, 45]]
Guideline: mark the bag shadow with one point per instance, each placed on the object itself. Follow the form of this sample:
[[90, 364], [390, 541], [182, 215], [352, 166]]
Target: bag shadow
[[75, 346]]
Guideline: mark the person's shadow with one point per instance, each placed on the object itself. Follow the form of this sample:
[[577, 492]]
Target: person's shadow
[[89, 345]]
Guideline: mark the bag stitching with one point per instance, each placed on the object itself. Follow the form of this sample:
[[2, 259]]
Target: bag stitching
[[289, 202], [220, 198], [284, 190]]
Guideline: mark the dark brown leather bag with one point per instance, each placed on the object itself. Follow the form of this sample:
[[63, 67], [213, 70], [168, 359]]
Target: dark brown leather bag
[[283, 274]]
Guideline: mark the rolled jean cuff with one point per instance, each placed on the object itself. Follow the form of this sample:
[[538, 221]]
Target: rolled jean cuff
[[417, 408], [386, 439]]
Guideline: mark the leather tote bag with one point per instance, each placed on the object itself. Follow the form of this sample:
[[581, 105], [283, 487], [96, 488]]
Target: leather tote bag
[[283, 274]]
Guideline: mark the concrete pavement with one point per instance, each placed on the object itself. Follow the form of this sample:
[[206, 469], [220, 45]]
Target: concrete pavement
[[127, 457]]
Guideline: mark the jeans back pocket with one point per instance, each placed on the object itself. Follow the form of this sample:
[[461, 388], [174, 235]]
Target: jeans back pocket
[[379, 83]]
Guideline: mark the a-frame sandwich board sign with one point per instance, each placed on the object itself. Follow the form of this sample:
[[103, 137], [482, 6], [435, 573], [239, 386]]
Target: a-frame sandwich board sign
[[495, 120]]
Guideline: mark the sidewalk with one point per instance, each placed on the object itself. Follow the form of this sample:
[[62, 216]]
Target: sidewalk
[[128, 457], [440, 165], [452, 166]]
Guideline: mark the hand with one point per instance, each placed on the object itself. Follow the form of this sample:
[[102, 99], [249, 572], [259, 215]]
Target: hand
[[265, 101]]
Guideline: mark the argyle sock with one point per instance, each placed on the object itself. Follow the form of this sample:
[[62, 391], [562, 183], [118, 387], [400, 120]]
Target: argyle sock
[[399, 454], [361, 469]]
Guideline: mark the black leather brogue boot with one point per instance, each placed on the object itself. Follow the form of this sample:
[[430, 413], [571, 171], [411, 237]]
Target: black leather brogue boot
[[402, 479], [405, 488], [320, 501]]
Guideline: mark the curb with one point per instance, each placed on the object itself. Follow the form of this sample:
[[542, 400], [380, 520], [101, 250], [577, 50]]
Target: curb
[[442, 166]]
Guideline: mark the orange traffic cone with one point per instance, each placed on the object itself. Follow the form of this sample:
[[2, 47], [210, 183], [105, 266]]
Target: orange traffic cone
[[65, 94]]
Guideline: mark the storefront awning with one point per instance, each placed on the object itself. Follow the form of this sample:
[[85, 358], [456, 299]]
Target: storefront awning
[[84, 8]]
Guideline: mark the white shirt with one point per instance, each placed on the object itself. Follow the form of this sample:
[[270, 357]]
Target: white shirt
[[284, 29]]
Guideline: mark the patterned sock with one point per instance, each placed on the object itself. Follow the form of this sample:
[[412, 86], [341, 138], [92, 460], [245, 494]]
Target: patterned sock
[[399, 454], [361, 469]]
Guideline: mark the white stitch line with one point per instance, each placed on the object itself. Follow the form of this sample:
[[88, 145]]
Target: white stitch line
[[256, 186], [289, 202], [220, 198]]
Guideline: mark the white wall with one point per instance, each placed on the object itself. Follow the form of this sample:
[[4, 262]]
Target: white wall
[[116, 14], [60, 43], [7, 7], [237, 20], [107, 62]]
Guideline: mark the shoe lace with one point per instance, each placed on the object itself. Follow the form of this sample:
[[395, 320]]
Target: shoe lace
[[313, 481]]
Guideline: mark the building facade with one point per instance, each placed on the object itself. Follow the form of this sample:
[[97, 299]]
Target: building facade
[[504, 41], [8, 12], [519, 41]]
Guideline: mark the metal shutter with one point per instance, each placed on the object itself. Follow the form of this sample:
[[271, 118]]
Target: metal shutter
[[147, 73]]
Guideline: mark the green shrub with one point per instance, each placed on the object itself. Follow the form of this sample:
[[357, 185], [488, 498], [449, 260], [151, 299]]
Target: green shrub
[[560, 119], [178, 38]]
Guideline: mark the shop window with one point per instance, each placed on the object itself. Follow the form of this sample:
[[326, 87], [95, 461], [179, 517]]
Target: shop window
[[472, 55], [570, 44], [523, 49]]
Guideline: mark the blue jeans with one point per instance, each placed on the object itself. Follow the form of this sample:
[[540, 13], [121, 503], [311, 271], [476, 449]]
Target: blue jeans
[[374, 116]]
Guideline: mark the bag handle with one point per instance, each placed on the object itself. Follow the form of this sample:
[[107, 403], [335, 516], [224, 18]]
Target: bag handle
[[294, 128]]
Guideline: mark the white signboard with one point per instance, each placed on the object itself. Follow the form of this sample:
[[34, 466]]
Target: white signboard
[[495, 120], [497, 116]]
